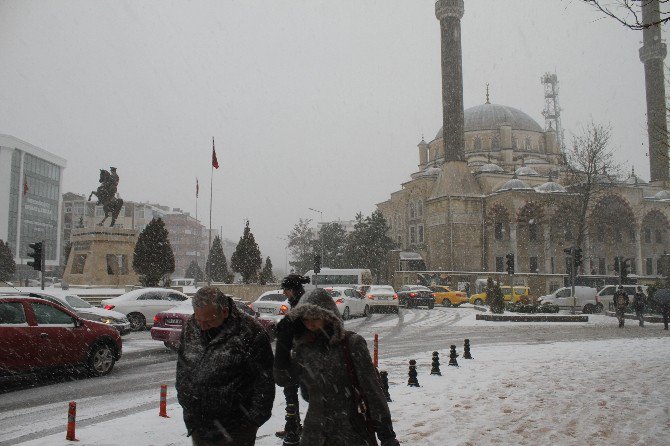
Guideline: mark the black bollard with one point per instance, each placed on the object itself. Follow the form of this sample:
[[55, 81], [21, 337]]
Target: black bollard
[[412, 381], [435, 366], [385, 385], [452, 356], [466, 350]]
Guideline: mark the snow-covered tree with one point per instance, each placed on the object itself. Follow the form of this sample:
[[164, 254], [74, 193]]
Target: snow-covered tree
[[246, 259], [267, 276], [300, 243], [194, 272], [217, 265], [153, 257], [7, 264]]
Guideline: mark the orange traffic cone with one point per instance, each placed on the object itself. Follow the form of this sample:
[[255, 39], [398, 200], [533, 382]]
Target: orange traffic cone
[[71, 418], [163, 405]]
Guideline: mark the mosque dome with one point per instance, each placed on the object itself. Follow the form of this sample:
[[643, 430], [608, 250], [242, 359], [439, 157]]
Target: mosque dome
[[550, 187], [525, 170], [491, 116], [513, 184], [662, 195], [491, 168]]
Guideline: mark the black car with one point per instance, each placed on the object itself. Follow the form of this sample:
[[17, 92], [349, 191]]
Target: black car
[[412, 296]]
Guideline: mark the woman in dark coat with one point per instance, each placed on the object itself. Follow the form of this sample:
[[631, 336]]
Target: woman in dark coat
[[319, 363]]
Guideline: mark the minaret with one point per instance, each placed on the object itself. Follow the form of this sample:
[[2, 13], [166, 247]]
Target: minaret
[[652, 54], [450, 13]]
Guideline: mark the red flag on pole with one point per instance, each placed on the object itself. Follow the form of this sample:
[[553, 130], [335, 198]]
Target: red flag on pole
[[197, 187], [215, 162], [25, 186]]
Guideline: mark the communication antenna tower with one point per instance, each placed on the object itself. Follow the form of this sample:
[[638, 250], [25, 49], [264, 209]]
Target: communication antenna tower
[[552, 110]]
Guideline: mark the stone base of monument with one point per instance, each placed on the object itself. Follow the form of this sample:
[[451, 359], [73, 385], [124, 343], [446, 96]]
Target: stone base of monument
[[101, 256], [531, 318]]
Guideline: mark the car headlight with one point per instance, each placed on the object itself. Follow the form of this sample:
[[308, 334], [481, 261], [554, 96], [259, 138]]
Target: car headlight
[[106, 320]]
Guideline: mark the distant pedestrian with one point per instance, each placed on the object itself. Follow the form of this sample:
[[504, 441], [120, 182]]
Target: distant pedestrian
[[621, 301], [665, 311], [224, 373], [333, 366], [640, 304]]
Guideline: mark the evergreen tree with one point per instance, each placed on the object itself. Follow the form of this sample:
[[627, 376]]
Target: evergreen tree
[[153, 257], [378, 245], [300, 243], [355, 254], [494, 296], [333, 237], [267, 276], [7, 264], [194, 272], [217, 265], [246, 259]]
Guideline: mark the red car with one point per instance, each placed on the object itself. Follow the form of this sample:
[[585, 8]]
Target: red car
[[168, 324], [36, 334]]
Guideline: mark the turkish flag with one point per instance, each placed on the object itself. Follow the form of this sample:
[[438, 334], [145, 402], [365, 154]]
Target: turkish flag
[[215, 162]]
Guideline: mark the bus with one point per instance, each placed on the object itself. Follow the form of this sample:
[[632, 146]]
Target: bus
[[338, 277]]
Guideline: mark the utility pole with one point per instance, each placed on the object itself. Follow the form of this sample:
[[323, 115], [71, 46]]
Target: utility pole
[[42, 265], [320, 236], [571, 254]]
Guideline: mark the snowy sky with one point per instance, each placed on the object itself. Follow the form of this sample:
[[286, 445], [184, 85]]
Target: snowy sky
[[307, 99]]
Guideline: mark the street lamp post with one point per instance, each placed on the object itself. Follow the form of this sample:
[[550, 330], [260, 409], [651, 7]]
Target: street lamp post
[[320, 236]]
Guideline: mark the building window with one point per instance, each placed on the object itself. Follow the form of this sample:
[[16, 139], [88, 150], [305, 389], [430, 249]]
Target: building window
[[532, 234], [514, 142], [602, 269], [478, 144], [419, 208], [495, 143], [660, 270], [647, 235], [532, 263], [659, 236], [420, 228], [68, 209], [500, 264], [99, 211], [412, 211], [649, 266], [633, 266], [412, 234], [498, 230], [527, 144]]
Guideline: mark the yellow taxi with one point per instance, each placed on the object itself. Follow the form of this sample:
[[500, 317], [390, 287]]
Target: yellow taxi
[[519, 293], [447, 297]]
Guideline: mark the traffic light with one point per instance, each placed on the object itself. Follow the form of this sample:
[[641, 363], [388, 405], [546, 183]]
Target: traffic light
[[625, 269], [578, 257], [317, 264], [510, 263], [36, 255]]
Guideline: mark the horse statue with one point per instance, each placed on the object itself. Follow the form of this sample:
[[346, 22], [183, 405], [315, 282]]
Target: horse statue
[[106, 195]]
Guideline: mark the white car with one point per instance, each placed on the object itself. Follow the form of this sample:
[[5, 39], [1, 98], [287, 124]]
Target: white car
[[605, 297], [141, 305], [271, 305], [380, 298], [349, 302], [584, 299]]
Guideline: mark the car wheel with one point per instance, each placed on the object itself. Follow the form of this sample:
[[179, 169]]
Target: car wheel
[[588, 309], [100, 360], [396, 310], [479, 302], [170, 345], [345, 313], [431, 305], [137, 321], [366, 311], [446, 302]]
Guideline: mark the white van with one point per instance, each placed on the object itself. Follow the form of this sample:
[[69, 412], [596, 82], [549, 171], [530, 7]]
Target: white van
[[584, 299], [606, 296], [329, 277]]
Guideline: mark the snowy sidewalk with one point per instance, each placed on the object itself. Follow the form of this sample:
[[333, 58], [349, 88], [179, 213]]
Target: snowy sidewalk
[[580, 393]]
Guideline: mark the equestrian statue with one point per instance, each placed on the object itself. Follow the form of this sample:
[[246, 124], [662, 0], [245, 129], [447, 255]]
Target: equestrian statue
[[107, 196]]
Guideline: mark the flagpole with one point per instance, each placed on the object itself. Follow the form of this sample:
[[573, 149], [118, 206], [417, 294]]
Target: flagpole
[[209, 243], [198, 236]]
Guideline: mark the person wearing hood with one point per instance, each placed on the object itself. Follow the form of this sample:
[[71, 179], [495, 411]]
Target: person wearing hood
[[292, 286], [326, 371], [224, 373]]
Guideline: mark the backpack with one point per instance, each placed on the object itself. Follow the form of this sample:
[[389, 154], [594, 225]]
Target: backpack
[[620, 300]]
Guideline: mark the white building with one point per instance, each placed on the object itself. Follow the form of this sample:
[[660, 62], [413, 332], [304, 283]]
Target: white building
[[30, 199]]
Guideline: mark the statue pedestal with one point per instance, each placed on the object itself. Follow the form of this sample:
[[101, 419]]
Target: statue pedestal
[[101, 256]]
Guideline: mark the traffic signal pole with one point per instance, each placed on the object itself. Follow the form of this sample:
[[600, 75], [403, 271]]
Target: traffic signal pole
[[572, 279], [42, 266]]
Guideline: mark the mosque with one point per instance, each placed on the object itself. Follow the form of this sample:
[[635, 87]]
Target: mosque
[[493, 181]]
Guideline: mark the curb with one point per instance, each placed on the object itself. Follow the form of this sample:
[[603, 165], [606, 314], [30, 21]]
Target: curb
[[146, 352]]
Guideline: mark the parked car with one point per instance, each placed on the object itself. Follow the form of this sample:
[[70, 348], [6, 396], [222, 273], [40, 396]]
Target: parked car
[[584, 299], [169, 324], [412, 296], [605, 296], [447, 297], [272, 305], [84, 310], [380, 298], [510, 295], [349, 301], [36, 334], [141, 305]]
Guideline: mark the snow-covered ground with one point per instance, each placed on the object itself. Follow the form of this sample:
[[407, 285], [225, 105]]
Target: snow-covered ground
[[603, 392]]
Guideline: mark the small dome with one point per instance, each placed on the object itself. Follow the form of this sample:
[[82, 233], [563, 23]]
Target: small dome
[[525, 170], [634, 180], [514, 184], [431, 171], [491, 168], [550, 187], [662, 195]]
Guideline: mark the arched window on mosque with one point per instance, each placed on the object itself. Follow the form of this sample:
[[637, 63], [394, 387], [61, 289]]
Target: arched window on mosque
[[495, 143], [498, 230], [478, 144], [514, 142], [419, 208], [412, 210], [527, 144], [543, 148], [532, 235]]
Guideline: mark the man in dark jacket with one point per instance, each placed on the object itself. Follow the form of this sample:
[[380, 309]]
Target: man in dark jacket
[[224, 373], [639, 305], [621, 301]]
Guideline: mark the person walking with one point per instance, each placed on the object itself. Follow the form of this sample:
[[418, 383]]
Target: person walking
[[224, 373], [640, 304], [621, 301], [293, 288], [336, 377]]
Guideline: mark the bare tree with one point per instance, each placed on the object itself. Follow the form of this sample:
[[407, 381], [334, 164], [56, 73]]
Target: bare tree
[[591, 169], [628, 12]]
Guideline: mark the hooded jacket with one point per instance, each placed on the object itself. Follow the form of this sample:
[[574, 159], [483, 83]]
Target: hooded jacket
[[225, 382], [319, 364]]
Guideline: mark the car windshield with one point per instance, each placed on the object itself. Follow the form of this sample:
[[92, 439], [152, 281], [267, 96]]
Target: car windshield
[[77, 302], [273, 298]]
